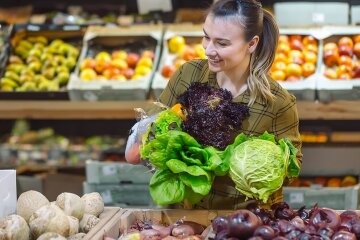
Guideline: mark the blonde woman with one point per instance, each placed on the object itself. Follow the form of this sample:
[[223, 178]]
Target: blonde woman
[[240, 40]]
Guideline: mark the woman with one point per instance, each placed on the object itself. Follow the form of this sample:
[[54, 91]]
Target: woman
[[240, 40]]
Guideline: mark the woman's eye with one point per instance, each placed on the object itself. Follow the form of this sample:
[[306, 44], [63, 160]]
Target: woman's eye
[[206, 38], [222, 44]]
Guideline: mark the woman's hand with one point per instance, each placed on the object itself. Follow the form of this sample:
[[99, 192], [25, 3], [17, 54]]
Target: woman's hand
[[132, 152]]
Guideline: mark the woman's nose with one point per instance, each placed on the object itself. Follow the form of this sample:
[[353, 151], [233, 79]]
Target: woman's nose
[[209, 49]]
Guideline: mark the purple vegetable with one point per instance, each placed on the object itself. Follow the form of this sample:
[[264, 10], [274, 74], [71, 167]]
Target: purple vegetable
[[242, 224]]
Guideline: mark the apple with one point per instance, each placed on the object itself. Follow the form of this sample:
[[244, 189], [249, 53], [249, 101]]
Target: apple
[[331, 57], [110, 72], [278, 75], [295, 37], [188, 53], [132, 59], [103, 56], [88, 74], [308, 69], [128, 73], [345, 60], [148, 53], [119, 54], [346, 41], [357, 49], [311, 48], [280, 57], [296, 45], [345, 50], [278, 66], [293, 69], [119, 63], [356, 72], [330, 73], [309, 40], [330, 46], [168, 70], [142, 70], [87, 63], [119, 77], [283, 39], [283, 48], [345, 76], [176, 43], [310, 57], [356, 38], [101, 65], [343, 69], [145, 61]]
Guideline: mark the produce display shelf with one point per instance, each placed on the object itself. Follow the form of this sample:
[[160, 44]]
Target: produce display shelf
[[308, 110]]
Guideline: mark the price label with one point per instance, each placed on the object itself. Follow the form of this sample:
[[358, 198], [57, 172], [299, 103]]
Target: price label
[[296, 197]]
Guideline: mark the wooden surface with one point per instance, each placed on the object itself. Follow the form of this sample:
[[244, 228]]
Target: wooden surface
[[336, 110]]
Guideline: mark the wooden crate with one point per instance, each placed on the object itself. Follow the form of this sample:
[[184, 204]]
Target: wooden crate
[[108, 225], [168, 216]]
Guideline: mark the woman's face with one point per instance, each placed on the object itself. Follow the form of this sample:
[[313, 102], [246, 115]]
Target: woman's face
[[225, 45]]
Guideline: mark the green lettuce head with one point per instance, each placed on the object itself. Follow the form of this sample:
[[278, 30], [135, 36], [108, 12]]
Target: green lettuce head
[[259, 165]]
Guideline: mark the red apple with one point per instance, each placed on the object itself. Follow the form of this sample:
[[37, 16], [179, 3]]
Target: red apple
[[132, 59], [330, 46], [343, 69], [296, 45], [345, 50], [168, 70], [356, 38], [110, 72], [356, 72], [128, 73], [330, 73], [346, 41], [331, 57], [345, 60], [295, 37], [357, 49]]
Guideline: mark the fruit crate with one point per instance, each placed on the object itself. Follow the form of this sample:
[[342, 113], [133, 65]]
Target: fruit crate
[[135, 39], [192, 34], [304, 87], [109, 172], [39, 80], [126, 194], [332, 87], [108, 225], [332, 197]]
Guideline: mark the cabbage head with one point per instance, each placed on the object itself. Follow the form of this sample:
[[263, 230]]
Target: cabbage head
[[259, 165]]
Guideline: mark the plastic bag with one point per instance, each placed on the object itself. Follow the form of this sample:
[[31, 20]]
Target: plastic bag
[[144, 120], [8, 192]]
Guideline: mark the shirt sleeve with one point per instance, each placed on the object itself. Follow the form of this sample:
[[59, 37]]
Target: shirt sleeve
[[286, 124]]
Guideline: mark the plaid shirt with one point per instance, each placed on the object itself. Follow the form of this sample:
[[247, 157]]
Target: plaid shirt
[[280, 119]]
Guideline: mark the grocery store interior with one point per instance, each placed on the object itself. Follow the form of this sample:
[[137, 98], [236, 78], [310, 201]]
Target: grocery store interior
[[63, 131]]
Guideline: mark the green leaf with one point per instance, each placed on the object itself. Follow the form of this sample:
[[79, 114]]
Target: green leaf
[[294, 166], [166, 188]]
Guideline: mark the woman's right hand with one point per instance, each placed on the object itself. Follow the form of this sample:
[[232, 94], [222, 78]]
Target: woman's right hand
[[132, 155]]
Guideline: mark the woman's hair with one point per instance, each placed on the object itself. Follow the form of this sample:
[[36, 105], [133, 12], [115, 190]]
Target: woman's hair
[[255, 21]]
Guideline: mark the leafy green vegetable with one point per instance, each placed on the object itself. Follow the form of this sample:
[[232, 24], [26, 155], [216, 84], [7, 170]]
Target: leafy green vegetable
[[189, 167], [259, 165]]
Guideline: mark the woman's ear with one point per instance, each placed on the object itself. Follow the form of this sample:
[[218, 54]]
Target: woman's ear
[[253, 44]]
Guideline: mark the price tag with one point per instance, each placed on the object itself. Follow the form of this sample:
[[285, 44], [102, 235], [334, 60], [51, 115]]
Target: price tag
[[109, 170], [296, 197], [106, 196]]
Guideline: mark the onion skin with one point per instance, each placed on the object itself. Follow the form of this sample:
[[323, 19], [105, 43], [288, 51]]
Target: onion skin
[[219, 224], [325, 217], [343, 235], [150, 234], [182, 231]]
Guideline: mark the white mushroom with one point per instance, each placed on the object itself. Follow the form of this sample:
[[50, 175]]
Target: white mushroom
[[72, 204], [49, 218], [94, 203], [74, 225], [88, 222], [14, 227], [28, 202], [51, 236]]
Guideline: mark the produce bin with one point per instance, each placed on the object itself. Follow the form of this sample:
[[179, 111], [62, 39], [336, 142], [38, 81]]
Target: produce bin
[[108, 225], [337, 198], [72, 34], [192, 34], [109, 172], [303, 88], [130, 195], [105, 39], [337, 89]]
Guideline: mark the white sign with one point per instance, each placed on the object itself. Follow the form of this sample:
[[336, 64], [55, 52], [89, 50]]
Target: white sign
[[146, 6], [7, 192]]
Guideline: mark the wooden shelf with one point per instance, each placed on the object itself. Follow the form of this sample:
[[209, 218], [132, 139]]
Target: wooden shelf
[[336, 110]]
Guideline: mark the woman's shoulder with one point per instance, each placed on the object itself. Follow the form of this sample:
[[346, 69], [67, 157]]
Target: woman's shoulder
[[281, 96], [196, 65]]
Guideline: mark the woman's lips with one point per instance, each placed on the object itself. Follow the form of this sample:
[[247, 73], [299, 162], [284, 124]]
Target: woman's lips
[[214, 61]]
